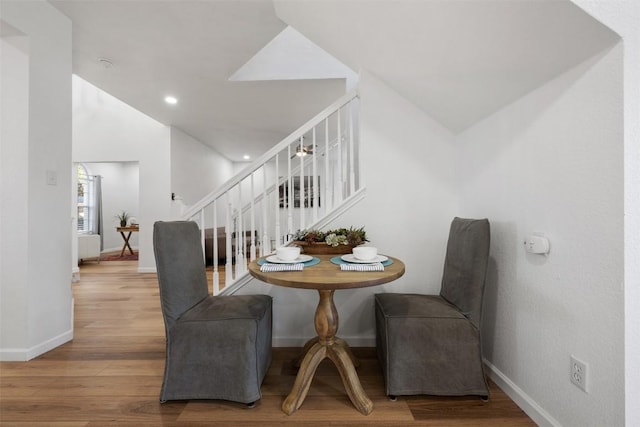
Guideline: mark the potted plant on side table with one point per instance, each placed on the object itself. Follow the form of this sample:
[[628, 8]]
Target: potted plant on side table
[[123, 217]]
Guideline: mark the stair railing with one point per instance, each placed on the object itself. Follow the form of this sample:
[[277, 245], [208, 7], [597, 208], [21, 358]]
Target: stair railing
[[298, 184]]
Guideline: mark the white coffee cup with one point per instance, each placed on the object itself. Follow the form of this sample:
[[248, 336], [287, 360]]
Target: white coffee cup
[[365, 253], [288, 253]]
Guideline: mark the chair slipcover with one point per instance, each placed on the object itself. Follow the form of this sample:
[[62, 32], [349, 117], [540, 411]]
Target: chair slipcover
[[431, 344], [218, 347]]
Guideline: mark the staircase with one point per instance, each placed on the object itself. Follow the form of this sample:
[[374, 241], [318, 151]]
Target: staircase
[[305, 181]]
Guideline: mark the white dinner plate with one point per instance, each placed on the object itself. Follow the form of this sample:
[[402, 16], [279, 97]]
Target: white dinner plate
[[301, 258], [353, 259]]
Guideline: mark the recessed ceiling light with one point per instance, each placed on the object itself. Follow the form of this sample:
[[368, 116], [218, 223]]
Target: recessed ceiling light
[[246, 157], [170, 100]]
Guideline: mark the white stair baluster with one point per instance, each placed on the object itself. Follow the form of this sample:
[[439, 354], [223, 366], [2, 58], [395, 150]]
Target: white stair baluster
[[328, 187], [216, 275], [278, 232], [352, 168], [314, 177], [301, 193], [252, 256], [289, 198], [202, 233], [229, 255], [240, 237], [340, 186], [265, 246]]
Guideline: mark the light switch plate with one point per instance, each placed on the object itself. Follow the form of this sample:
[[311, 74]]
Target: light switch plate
[[52, 178]]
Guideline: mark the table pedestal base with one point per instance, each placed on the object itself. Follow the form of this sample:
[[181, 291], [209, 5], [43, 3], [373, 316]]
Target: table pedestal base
[[312, 341], [327, 345], [341, 355]]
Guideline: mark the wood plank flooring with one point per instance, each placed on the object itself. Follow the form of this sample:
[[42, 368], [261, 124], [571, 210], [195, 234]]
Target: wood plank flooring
[[111, 373]]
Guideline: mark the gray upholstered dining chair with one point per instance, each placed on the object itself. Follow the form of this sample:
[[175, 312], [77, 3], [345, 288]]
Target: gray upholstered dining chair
[[431, 344], [217, 347]]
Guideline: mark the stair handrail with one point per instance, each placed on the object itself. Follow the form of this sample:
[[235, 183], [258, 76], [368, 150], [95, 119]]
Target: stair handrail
[[257, 163], [309, 192]]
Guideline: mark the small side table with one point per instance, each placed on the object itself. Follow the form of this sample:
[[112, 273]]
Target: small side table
[[128, 230]]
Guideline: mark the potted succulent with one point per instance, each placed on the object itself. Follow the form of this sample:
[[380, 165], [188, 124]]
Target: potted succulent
[[337, 241], [123, 217]]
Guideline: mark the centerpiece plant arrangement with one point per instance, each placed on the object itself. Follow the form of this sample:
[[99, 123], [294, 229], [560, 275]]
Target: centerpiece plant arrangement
[[336, 241]]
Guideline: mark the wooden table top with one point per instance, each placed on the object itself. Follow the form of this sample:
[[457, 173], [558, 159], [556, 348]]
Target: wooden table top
[[328, 276], [128, 228]]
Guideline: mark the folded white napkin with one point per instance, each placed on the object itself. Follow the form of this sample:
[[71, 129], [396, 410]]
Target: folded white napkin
[[376, 266], [268, 267]]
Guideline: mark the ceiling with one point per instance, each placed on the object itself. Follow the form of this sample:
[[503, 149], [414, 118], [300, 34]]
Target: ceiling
[[190, 49], [459, 61]]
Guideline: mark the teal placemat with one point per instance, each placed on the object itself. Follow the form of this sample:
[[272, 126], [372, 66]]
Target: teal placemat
[[312, 261], [338, 260]]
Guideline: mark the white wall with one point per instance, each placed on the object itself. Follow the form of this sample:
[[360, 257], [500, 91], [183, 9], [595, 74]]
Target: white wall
[[553, 162], [623, 17], [107, 130], [196, 169], [14, 147], [407, 212], [35, 290], [120, 192]]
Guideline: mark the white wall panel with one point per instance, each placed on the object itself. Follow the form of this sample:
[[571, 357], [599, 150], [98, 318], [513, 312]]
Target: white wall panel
[[40, 148], [553, 162]]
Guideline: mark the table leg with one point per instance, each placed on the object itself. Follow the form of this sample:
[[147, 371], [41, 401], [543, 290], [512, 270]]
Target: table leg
[[305, 350], [345, 347], [340, 355], [326, 344], [310, 363], [126, 243]]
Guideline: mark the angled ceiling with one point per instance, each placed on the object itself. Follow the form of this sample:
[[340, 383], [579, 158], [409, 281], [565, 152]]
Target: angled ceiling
[[292, 56], [459, 61], [189, 49]]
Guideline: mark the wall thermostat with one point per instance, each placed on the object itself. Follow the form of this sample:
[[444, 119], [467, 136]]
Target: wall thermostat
[[537, 245]]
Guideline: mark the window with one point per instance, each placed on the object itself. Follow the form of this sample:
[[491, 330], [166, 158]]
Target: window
[[85, 193]]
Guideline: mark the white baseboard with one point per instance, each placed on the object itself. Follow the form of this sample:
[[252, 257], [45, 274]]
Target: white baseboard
[[147, 270], [299, 342], [107, 250], [522, 399], [25, 354], [117, 249]]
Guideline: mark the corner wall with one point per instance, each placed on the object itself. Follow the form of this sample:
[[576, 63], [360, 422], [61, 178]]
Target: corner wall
[[35, 287], [552, 162], [623, 16], [196, 169]]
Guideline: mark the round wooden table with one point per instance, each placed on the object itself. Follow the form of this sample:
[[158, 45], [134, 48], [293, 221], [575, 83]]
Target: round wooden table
[[326, 278]]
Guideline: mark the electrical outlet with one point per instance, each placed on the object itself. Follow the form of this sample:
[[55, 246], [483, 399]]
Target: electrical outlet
[[578, 372]]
